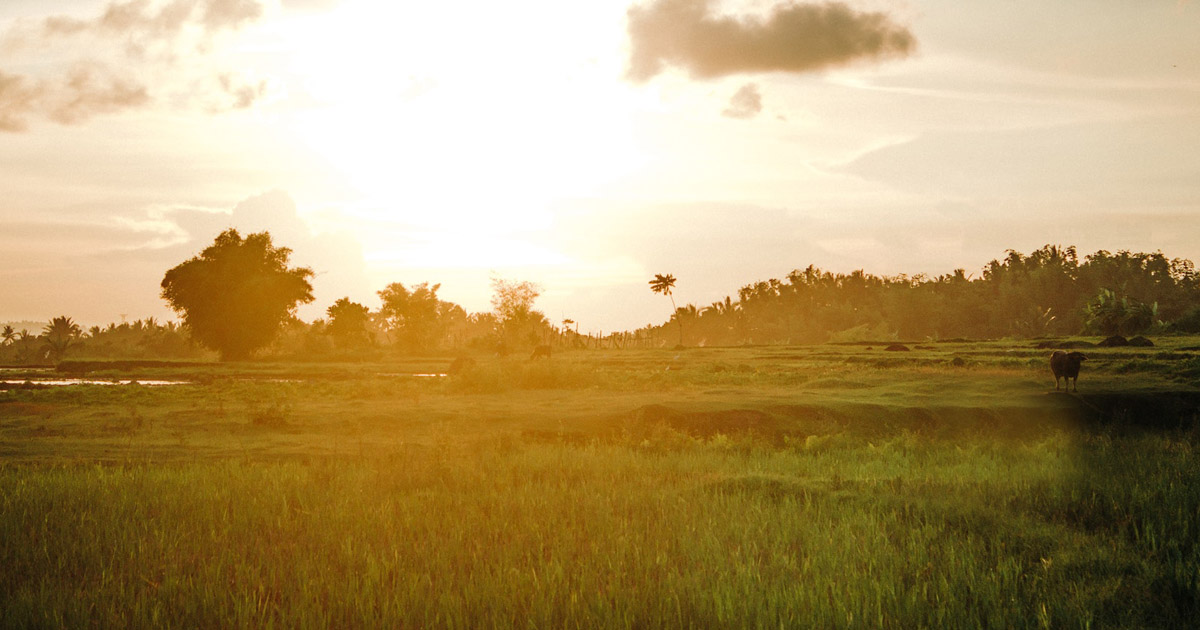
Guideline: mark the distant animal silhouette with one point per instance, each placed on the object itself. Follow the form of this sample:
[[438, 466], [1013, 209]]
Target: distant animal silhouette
[[460, 364], [1066, 365], [540, 352]]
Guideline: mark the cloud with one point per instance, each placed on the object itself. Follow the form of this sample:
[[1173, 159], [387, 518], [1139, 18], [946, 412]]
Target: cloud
[[794, 38], [309, 5], [17, 97], [83, 92], [140, 22], [745, 103], [130, 46], [336, 258], [1143, 163], [242, 93]]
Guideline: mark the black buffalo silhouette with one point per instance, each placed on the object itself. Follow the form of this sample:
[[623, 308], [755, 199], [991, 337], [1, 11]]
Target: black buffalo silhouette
[[540, 352], [460, 365], [1066, 365]]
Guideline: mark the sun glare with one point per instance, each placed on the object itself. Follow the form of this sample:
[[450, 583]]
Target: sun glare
[[472, 141]]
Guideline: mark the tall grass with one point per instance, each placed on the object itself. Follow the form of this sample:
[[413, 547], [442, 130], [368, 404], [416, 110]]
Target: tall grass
[[829, 487], [904, 533]]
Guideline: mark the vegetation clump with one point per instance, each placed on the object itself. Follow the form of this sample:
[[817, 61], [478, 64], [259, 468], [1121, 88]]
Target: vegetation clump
[[237, 293]]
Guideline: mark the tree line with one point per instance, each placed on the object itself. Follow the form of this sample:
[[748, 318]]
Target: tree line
[[238, 298], [1050, 292]]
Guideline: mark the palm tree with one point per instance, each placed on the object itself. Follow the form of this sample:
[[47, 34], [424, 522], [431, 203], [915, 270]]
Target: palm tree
[[721, 309], [60, 334], [663, 284], [8, 335]]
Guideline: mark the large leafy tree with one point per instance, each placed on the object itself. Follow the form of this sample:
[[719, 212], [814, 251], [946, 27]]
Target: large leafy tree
[[512, 304], [348, 323], [237, 293], [413, 316]]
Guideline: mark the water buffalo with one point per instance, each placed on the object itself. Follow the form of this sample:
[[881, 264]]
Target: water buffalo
[[1066, 365], [540, 352], [460, 365]]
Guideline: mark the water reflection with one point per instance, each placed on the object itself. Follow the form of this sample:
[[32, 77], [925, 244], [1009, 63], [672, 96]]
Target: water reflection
[[63, 382]]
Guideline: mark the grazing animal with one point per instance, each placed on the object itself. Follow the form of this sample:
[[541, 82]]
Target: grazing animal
[[540, 352], [460, 365], [1066, 365]]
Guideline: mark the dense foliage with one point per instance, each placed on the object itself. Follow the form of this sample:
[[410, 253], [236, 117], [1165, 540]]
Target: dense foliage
[[415, 318], [1048, 292], [349, 323], [237, 293]]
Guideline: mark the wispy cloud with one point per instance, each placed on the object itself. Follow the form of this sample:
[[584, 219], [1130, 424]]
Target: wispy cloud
[[127, 45], [794, 38], [745, 103], [83, 92], [241, 93], [140, 22]]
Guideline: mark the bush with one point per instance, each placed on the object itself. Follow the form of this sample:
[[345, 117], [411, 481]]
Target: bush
[[1108, 314], [1188, 323]]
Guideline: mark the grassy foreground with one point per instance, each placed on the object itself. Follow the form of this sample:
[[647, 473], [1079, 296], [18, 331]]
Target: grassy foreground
[[815, 487]]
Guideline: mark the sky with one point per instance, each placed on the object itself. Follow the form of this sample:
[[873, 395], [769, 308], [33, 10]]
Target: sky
[[584, 146]]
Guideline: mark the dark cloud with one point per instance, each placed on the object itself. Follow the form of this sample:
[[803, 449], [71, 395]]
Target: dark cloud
[[792, 38], [745, 103], [150, 38]]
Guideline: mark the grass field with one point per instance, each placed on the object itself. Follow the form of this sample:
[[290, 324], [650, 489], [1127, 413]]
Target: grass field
[[817, 486]]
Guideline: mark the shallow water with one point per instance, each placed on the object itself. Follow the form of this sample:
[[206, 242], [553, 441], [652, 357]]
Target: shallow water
[[64, 382]]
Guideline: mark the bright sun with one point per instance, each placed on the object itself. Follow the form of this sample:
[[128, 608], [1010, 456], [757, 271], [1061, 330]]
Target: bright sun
[[472, 137]]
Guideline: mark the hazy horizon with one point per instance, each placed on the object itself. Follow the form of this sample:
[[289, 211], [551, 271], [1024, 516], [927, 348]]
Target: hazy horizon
[[584, 148]]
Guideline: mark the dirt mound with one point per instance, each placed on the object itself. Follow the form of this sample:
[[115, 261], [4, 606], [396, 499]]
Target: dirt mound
[[1047, 344], [1141, 342], [1115, 341], [897, 347]]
